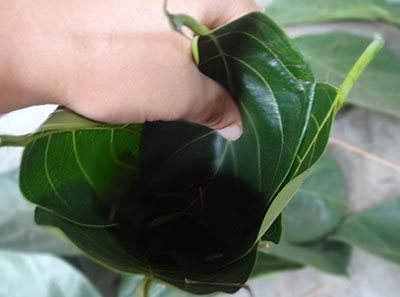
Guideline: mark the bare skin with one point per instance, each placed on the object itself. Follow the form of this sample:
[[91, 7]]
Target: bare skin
[[113, 61]]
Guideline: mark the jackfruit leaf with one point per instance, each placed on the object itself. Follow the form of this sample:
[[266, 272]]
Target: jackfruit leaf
[[331, 56], [319, 205], [173, 200], [41, 275], [375, 231], [292, 12]]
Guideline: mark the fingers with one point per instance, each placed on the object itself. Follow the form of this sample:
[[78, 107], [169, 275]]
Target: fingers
[[218, 110]]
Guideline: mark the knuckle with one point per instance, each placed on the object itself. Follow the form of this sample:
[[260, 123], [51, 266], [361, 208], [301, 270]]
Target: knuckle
[[214, 117]]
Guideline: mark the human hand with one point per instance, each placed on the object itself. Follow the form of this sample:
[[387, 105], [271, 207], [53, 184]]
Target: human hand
[[114, 61]]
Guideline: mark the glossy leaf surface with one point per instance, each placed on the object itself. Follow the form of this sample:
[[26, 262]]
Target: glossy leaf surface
[[41, 275], [331, 56], [175, 201], [375, 231], [292, 12]]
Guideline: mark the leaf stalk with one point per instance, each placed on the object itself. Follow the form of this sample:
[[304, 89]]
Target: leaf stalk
[[366, 57], [178, 21], [143, 287], [16, 141]]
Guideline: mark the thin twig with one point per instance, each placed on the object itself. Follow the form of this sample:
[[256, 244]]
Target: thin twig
[[365, 154], [318, 289], [249, 290]]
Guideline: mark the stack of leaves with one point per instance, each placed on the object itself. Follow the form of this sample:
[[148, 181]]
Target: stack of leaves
[[175, 201]]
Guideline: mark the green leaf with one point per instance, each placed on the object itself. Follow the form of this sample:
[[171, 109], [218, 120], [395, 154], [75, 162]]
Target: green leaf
[[331, 56], [375, 231], [319, 205], [41, 275], [175, 201], [292, 12], [328, 256], [267, 265], [18, 231]]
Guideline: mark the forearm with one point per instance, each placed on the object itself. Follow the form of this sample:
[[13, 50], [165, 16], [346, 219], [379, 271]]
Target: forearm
[[23, 66]]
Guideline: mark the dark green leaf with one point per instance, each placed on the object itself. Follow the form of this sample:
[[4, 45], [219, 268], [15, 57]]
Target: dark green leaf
[[375, 231], [319, 205], [331, 257], [331, 56], [292, 12], [41, 275]]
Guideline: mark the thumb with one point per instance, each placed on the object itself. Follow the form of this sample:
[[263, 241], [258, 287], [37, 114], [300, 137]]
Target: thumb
[[217, 110]]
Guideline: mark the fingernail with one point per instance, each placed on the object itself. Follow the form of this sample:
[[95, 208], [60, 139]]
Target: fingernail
[[232, 132]]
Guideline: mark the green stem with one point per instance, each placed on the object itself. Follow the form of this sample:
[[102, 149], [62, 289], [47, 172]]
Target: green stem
[[9, 140], [177, 21], [366, 57], [143, 287]]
